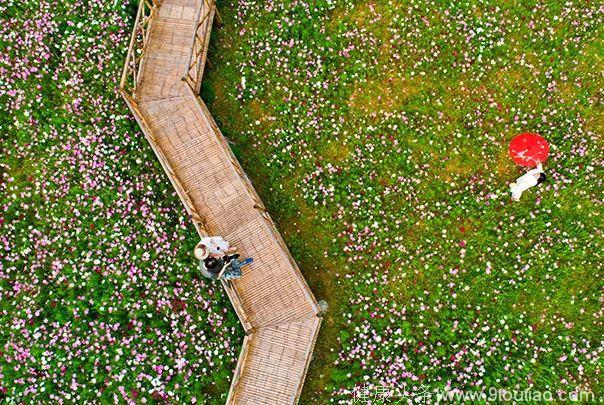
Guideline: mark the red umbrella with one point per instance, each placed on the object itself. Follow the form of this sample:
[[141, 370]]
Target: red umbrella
[[529, 149]]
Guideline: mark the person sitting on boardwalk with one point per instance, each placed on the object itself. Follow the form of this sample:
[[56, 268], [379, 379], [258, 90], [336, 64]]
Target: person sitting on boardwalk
[[526, 181], [214, 263], [211, 268], [232, 268], [210, 265], [215, 245]]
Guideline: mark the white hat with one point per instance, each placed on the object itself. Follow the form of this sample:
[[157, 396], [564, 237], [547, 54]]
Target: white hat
[[201, 251]]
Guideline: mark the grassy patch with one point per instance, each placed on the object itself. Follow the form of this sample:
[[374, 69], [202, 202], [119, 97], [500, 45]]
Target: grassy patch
[[385, 165]]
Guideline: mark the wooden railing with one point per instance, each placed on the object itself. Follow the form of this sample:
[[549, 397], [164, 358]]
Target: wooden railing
[[131, 75], [138, 44], [130, 88], [194, 70], [183, 194], [245, 350], [258, 205]]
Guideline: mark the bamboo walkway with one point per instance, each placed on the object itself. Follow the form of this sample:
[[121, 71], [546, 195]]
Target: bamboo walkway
[[160, 83]]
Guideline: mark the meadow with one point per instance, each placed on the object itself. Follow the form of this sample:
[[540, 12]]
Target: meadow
[[376, 133]]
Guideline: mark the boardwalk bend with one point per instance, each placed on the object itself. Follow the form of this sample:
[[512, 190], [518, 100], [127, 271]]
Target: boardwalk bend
[[160, 83]]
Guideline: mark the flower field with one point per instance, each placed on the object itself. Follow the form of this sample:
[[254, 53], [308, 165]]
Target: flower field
[[376, 133], [100, 299]]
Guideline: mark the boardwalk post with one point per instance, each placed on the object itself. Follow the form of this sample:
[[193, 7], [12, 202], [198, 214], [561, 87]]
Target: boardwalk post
[[218, 17]]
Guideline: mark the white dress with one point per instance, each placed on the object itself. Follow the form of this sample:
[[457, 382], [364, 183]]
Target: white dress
[[525, 182]]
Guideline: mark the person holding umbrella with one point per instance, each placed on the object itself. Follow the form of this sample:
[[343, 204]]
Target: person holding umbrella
[[528, 150], [531, 178]]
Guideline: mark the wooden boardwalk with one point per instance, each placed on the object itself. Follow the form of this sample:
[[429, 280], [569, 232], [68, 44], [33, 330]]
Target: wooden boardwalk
[[160, 84]]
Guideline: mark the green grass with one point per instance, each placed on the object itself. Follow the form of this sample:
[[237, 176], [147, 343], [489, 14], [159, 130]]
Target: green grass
[[100, 297], [415, 119], [376, 134]]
